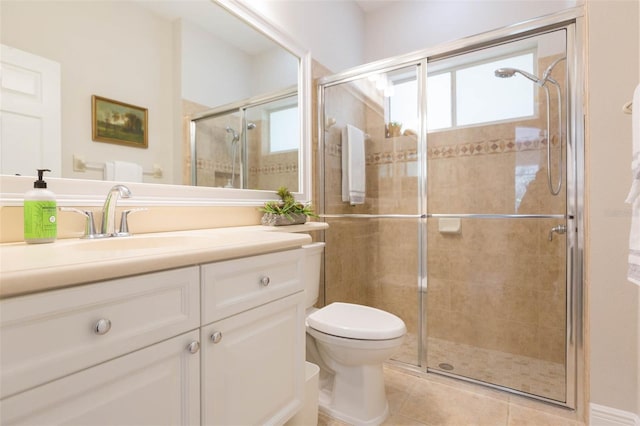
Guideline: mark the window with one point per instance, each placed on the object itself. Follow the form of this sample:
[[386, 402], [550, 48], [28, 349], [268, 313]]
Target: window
[[481, 97], [439, 101], [284, 132], [467, 95]]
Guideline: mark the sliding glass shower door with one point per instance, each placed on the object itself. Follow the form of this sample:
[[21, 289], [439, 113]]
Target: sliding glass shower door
[[468, 230], [370, 255], [497, 215]]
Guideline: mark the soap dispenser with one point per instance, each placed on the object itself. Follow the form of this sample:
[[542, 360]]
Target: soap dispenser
[[40, 213]]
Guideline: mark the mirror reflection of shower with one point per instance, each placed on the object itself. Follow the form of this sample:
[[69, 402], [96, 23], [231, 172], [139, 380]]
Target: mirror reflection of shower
[[234, 152], [542, 82], [236, 146], [235, 137]]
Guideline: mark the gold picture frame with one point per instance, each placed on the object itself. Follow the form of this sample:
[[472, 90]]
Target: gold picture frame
[[119, 123]]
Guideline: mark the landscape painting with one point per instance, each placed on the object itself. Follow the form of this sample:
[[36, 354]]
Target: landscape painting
[[119, 123]]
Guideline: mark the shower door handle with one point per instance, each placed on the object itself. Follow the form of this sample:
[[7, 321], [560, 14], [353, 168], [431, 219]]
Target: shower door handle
[[560, 229]]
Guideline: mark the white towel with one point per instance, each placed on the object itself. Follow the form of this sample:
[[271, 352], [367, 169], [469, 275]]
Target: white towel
[[122, 171], [633, 198], [353, 165]]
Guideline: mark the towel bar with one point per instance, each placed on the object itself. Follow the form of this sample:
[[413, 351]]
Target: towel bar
[[79, 165]]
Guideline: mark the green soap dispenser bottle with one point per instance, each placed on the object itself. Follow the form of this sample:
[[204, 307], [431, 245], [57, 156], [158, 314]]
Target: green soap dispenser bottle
[[40, 213]]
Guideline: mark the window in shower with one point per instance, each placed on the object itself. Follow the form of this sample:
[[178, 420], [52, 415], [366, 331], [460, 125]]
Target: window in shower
[[283, 134], [401, 102], [482, 98], [466, 95]]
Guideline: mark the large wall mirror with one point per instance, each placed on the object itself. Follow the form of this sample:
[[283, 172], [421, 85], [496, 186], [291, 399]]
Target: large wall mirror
[[180, 65]]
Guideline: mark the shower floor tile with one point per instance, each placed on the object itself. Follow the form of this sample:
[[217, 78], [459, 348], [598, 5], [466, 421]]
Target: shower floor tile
[[530, 375]]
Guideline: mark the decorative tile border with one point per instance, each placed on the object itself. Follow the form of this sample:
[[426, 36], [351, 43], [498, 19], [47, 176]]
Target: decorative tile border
[[271, 169], [210, 165], [216, 166], [494, 146]]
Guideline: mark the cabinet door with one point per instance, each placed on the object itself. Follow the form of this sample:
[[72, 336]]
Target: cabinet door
[[253, 365], [49, 335], [158, 385]]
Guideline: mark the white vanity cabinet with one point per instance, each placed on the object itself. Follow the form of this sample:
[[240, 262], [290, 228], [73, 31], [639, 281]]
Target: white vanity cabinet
[[252, 358], [216, 344], [114, 352]]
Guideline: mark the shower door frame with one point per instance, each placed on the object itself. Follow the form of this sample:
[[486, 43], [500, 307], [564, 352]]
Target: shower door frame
[[573, 21]]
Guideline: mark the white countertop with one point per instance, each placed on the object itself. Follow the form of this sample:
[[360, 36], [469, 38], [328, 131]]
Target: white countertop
[[27, 268]]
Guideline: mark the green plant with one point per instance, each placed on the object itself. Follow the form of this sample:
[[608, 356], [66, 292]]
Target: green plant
[[287, 206]]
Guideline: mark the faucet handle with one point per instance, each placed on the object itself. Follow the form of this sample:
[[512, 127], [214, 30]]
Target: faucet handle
[[89, 225], [124, 224]]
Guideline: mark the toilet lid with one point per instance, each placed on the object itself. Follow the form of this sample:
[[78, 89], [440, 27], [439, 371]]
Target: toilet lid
[[356, 322]]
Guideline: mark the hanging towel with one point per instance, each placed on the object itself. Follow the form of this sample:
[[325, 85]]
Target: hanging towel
[[353, 165], [633, 198], [122, 171]]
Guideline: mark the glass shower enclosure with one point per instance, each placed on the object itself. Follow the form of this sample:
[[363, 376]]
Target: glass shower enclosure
[[252, 144], [468, 230]]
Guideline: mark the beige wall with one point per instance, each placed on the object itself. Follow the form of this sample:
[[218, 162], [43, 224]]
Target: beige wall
[[88, 66], [613, 46]]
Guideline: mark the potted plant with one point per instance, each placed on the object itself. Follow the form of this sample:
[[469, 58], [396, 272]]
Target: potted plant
[[285, 212], [393, 129]]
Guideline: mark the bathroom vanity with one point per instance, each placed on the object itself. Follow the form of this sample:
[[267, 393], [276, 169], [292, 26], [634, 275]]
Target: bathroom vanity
[[157, 329]]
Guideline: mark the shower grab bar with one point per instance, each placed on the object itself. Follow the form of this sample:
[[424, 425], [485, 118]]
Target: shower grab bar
[[499, 216], [447, 215], [374, 216]]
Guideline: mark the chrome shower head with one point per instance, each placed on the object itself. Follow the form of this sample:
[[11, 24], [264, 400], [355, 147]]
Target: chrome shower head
[[505, 72], [251, 126], [510, 72], [236, 136]]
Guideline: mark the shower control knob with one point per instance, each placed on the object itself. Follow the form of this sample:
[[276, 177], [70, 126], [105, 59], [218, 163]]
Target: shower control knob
[[264, 281], [216, 336], [560, 229]]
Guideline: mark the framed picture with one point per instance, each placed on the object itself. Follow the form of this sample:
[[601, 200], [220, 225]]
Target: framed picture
[[119, 123]]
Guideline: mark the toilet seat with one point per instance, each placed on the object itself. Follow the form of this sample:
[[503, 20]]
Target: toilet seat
[[356, 322]]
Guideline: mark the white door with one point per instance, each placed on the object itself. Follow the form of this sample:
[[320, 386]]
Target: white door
[[29, 113], [155, 386]]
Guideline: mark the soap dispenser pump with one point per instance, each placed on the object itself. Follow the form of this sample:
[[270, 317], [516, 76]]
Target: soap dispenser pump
[[40, 213]]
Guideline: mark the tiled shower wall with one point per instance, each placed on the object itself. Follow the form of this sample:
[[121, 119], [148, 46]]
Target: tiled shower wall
[[499, 284], [270, 171]]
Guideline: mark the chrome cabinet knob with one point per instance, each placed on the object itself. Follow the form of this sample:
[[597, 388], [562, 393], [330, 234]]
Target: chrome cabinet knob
[[216, 336], [264, 281], [194, 347], [102, 326]]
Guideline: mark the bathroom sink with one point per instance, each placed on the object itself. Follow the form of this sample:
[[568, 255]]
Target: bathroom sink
[[182, 242]]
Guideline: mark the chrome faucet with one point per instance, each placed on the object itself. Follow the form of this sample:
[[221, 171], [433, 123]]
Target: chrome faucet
[[108, 227]]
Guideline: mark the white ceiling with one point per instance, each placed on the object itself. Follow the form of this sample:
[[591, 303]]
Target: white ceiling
[[369, 5]]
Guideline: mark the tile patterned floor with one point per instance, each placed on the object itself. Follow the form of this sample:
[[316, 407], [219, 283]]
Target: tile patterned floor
[[523, 373], [433, 400]]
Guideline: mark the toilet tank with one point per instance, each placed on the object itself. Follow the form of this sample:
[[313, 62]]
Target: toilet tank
[[312, 262]]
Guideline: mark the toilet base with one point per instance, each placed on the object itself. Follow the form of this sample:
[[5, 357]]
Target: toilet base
[[324, 406], [355, 394]]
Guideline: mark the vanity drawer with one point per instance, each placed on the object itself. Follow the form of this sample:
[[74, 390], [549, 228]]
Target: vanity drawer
[[237, 285], [52, 334]]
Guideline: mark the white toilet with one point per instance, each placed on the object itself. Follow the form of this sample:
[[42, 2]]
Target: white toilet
[[349, 343]]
